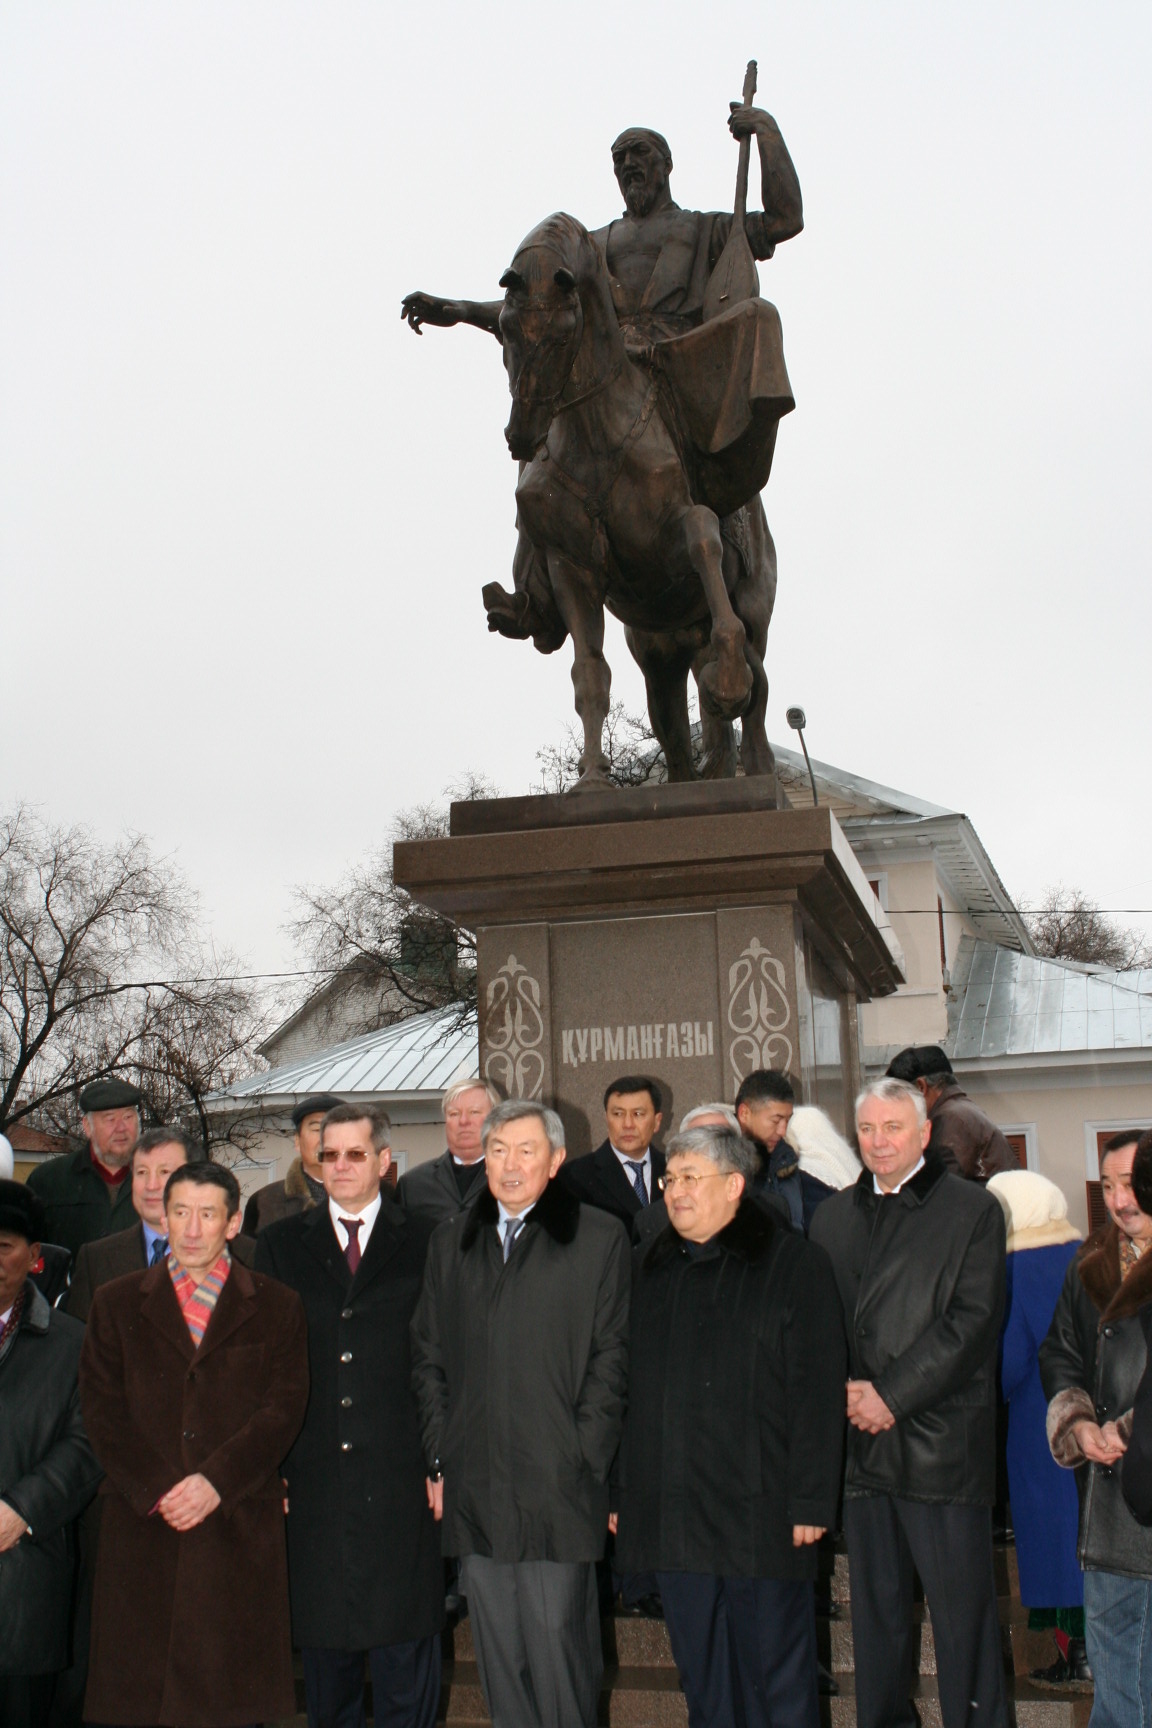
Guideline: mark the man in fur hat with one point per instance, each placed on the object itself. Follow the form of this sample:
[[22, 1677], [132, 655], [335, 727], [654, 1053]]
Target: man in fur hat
[[1091, 1364]]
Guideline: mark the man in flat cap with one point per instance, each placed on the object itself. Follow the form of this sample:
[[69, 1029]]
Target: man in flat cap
[[47, 1470], [966, 1141], [88, 1194], [303, 1186]]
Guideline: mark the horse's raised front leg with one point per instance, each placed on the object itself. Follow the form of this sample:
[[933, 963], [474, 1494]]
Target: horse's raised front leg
[[581, 607], [725, 679]]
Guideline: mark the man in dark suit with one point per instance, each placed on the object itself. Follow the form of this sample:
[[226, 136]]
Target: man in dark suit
[[157, 1153], [622, 1176], [363, 1548], [193, 1386], [443, 1187]]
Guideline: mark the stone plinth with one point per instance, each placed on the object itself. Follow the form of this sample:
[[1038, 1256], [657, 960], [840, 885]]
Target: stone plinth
[[692, 933]]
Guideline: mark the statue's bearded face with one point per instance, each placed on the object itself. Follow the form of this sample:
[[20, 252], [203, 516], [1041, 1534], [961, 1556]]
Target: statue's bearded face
[[641, 174]]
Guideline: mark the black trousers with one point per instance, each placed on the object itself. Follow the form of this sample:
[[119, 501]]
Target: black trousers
[[745, 1648], [951, 1548], [405, 1685], [25, 1699]]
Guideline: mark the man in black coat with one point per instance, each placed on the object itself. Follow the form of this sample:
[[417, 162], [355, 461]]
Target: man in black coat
[[623, 1175], [363, 1549], [47, 1470], [87, 1194], [443, 1187], [520, 1347], [730, 1465], [1091, 1365], [919, 1260], [302, 1187]]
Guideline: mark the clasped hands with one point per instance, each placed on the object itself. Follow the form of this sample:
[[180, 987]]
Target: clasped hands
[[187, 1504], [867, 1410], [803, 1535]]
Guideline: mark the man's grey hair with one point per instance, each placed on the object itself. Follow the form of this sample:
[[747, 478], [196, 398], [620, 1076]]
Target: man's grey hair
[[472, 1083], [891, 1091], [724, 1110], [732, 1154], [515, 1110]]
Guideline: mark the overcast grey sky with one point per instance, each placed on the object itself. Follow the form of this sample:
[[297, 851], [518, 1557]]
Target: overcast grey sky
[[245, 516]]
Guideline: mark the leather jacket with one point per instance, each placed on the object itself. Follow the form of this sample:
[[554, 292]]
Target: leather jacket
[[965, 1140], [921, 1277]]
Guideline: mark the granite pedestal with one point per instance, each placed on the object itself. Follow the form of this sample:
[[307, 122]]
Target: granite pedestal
[[688, 932]]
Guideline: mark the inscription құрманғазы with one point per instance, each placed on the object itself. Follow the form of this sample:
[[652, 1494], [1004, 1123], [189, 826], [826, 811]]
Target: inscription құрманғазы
[[663, 1040]]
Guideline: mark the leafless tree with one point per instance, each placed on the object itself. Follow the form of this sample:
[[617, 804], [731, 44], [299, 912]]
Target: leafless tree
[[634, 755], [1067, 925], [103, 972], [372, 939]]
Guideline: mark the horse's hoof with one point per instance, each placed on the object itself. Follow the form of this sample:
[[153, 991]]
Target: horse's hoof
[[592, 780], [725, 689]]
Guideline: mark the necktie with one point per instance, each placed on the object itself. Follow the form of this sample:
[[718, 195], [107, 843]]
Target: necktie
[[352, 1252], [638, 1181], [159, 1250], [512, 1229]]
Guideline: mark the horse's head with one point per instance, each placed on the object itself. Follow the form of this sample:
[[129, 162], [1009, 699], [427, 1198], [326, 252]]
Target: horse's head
[[542, 325]]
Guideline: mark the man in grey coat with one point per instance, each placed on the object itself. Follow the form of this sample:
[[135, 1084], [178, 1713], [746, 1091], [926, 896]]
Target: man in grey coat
[[519, 1347]]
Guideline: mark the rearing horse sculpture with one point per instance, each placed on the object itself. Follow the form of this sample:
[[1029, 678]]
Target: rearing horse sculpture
[[610, 500]]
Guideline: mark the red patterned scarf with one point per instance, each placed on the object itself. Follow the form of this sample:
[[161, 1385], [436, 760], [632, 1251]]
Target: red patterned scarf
[[197, 1301], [13, 1320]]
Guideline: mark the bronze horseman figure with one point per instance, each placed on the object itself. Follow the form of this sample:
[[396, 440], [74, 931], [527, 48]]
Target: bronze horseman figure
[[647, 381]]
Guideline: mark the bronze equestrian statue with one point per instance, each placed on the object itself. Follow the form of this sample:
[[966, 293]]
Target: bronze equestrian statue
[[647, 380]]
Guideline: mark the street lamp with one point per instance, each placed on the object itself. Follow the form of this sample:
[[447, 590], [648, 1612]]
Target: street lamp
[[797, 719]]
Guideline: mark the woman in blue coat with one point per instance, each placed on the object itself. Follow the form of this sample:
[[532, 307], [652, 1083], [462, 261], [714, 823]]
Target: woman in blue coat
[[1045, 1505]]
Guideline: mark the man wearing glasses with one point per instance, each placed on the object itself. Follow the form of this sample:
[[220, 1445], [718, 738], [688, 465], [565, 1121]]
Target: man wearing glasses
[[730, 1463], [363, 1549]]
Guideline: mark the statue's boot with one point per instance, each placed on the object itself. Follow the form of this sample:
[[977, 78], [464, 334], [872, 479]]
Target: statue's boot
[[520, 617]]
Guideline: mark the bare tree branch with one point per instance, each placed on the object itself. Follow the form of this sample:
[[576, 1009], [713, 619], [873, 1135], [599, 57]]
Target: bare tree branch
[[1067, 925]]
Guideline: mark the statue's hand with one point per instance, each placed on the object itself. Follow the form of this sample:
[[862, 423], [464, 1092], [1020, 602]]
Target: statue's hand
[[743, 122], [421, 309]]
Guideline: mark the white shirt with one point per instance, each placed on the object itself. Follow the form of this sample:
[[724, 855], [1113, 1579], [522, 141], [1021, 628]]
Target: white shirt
[[876, 1188], [7, 1311], [367, 1218], [626, 1162]]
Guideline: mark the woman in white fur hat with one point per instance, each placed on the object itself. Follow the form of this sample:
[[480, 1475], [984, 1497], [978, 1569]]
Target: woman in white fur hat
[[820, 1151], [1045, 1507]]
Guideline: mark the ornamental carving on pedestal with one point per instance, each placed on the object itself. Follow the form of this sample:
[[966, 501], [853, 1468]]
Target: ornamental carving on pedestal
[[513, 1032], [758, 1012]]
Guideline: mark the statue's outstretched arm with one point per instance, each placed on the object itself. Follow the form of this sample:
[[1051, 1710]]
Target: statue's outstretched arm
[[779, 183], [421, 309]]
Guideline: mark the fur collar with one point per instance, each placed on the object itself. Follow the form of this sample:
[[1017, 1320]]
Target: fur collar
[[1099, 1267], [296, 1184], [748, 1237], [557, 1212]]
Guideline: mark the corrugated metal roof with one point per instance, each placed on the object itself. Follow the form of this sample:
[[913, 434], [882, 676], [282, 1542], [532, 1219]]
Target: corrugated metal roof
[[1011, 1004], [421, 1054]]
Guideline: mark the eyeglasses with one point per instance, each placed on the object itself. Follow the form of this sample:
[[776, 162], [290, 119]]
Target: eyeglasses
[[356, 1155], [688, 1181]]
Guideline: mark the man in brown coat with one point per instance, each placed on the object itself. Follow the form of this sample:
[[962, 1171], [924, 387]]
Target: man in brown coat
[[303, 1186], [193, 1386], [965, 1140]]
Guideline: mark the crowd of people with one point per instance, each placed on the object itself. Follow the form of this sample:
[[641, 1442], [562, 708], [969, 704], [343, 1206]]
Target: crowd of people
[[528, 1389]]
